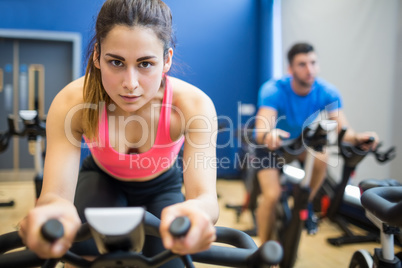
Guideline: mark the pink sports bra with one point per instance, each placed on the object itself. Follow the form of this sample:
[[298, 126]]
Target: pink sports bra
[[131, 166]]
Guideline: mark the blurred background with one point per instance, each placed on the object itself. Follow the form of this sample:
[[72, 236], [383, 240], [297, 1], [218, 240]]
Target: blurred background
[[227, 48]]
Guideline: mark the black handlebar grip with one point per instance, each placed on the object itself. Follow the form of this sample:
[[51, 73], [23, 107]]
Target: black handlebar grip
[[269, 253], [52, 230], [369, 141], [282, 137], [180, 226]]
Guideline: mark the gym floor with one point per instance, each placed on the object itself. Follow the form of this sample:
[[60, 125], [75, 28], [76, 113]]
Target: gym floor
[[314, 251]]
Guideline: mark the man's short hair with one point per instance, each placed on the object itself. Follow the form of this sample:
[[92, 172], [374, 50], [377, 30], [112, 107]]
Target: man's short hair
[[297, 49]]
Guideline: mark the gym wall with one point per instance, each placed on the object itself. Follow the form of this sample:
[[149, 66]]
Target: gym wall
[[223, 47], [396, 123]]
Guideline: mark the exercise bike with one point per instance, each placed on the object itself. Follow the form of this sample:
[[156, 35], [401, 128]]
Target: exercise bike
[[343, 207], [119, 234], [290, 221], [383, 207], [248, 174], [34, 129]]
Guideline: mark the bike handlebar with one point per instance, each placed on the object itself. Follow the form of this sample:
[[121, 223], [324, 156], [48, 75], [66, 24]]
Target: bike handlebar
[[385, 203], [180, 226], [52, 230], [245, 252], [315, 138], [33, 127], [353, 154]]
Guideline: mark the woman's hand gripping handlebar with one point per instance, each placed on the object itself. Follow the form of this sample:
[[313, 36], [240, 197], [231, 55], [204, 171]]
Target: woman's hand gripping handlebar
[[243, 251]]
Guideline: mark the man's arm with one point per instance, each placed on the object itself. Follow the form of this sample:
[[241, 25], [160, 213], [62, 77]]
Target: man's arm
[[265, 122], [266, 132]]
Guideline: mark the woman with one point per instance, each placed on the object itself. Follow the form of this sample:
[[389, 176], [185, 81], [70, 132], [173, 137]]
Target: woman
[[135, 118]]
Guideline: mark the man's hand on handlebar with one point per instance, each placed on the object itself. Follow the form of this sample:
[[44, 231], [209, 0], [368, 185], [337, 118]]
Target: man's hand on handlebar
[[200, 236], [54, 208], [273, 140], [366, 140]]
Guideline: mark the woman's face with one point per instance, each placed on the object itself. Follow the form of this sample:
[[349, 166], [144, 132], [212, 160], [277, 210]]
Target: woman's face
[[132, 64]]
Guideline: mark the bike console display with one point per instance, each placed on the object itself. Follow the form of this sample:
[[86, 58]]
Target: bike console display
[[117, 228]]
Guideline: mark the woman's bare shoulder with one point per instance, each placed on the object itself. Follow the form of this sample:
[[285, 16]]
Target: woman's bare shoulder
[[187, 92], [182, 87], [71, 94], [190, 99]]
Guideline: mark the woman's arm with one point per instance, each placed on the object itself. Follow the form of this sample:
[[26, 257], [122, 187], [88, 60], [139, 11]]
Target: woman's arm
[[199, 173], [63, 136]]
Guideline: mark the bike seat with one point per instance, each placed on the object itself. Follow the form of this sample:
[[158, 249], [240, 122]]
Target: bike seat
[[371, 183], [385, 203]]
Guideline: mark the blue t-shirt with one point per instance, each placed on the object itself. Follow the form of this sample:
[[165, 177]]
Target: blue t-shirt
[[295, 111]]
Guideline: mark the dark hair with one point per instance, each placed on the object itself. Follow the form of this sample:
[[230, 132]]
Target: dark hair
[[297, 49], [153, 14]]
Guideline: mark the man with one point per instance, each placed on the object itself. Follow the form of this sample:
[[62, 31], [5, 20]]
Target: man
[[285, 107]]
